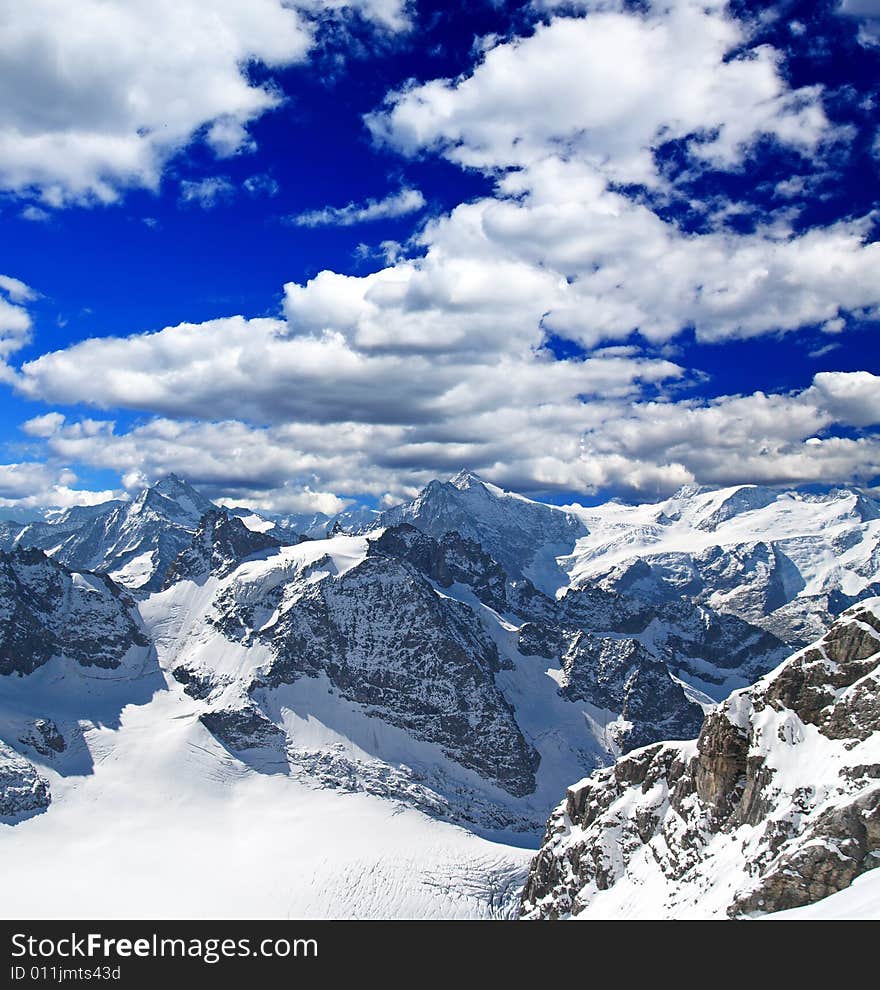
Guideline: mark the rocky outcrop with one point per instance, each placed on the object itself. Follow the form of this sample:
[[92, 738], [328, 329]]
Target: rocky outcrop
[[44, 736], [219, 545], [387, 641], [621, 675], [49, 611], [22, 790], [694, 641], [453, 559], [135, 542], [244, 728], [775, 805]]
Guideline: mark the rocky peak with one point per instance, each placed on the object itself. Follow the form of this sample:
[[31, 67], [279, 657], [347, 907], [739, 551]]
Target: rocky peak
[[219, 545], [47, 610], [796, 758], [467, 480], [175, 498], [513, 530], [453, 558]]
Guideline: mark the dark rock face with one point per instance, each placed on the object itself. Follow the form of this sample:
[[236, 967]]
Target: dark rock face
[[22, 790], [243, 729], [220, 544], [621, 675], [47, 610], [842, 844], [672, 813], [387, 641], [44, 736], [137, 541], [454, 559], [692, 640]]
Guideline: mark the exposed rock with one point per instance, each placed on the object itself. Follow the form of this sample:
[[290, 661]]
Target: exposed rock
[[22, 790], [245, 728], [510, 528], [49, 611], [219, 545], [44, 736], [669, 818], [621, 675], [135, 542], [387, 641], [454, 559]]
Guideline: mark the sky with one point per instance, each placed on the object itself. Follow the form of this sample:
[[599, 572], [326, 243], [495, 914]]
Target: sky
[[307, 254]]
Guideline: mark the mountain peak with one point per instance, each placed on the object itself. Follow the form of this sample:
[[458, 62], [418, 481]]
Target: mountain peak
[[172, 484], [465, 480], [174, 488]]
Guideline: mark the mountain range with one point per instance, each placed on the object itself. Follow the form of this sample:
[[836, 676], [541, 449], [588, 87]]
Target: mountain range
[[380, 709]]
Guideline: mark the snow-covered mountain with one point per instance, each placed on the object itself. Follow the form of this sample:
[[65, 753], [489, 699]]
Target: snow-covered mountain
[[290, 527], [455, 663], [72, 648], [525, 537], [744, 550], [774, 806], [134, 542]]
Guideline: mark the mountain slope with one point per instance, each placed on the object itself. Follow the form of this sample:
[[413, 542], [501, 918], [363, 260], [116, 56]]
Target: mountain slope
[[524, 536], [788, 560], [776, 804], [134, 542]]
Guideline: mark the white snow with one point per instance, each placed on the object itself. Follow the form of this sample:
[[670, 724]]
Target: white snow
[[169, 824]]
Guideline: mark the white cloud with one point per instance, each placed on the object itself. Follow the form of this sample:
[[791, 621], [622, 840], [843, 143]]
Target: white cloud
[[43, 426], [609, 88], [15, 321], [868, 12], [758, 438], [642, 447], [852, 397], [560, 117], [17, 291], [31, 485], [36, 214], [260, 371], [261, 185], [397, 204], [377, 383], [98, 95], [207, 193]]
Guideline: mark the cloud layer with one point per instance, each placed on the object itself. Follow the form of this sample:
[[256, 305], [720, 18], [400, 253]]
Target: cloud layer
[[98, 95], [446, 357]]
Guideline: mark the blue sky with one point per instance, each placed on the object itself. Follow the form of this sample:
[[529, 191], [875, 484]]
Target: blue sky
[[587, 249]]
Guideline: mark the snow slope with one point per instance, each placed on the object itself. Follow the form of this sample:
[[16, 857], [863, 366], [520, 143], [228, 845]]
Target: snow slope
[[196, 833], [833, 540]]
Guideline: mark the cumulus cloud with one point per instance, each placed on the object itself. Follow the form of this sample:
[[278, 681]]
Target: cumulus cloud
[[261, 371], [397, 204], [868, 12], [376, 383], [261, 185], [15, 321], [562, 117], [644, 448], [762, 438], [610, 88], [36, 214], [98, 95], [31, 485]]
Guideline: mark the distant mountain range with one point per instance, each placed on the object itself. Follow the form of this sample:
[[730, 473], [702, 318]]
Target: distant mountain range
[[462, 658]]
